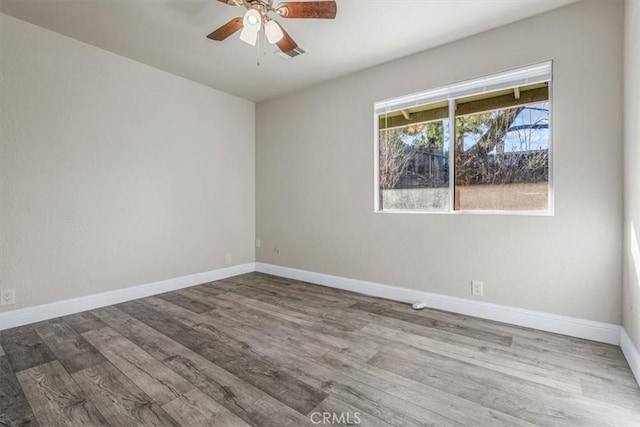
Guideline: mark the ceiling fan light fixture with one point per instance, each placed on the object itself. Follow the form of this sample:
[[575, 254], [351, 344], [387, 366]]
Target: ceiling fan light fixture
[[273, 32], [258, 15], [249, 37], [252, 20]]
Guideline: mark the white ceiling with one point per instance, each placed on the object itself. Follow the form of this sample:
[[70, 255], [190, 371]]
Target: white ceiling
[[170, 35]]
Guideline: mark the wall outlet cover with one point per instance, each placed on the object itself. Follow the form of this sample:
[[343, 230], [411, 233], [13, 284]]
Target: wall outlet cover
[[477, 288], [7, 296]]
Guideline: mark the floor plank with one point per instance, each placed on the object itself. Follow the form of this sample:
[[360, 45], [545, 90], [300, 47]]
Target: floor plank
[[119, 399], [24, 348], [185, 299], [327, 312], [474, 383], [311, 339], [514, 368], [320, 325], [158, 320], [283, 286], [622, 396], [83, 322], [211, 289], [276, 416], [435, 324], [14, 407], [197, 409], [159, 382], [71, 350], [56, 399]]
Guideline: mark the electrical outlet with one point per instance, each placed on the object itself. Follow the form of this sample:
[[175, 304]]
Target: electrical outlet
[[227, 259], [477, 288], [8, 296], [257, 243]]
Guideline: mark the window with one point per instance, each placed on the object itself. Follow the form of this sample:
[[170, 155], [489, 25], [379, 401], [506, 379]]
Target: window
[[482, 145]]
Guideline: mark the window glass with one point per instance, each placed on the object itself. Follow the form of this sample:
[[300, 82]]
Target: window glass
[[502, 159], [479, 145], [414, 167]]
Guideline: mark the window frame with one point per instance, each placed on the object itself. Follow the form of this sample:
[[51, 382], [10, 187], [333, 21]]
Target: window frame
[[451, 99]]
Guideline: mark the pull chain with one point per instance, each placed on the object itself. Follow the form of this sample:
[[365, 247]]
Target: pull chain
[[263, 40], [258, 52], [265, 44]]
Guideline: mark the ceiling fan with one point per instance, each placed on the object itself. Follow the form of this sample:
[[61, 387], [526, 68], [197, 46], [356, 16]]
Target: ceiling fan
[[257, 17]]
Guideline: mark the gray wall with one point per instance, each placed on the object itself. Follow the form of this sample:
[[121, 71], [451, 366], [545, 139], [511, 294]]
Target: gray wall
[[631, 301], [113, 173], [314, 156]]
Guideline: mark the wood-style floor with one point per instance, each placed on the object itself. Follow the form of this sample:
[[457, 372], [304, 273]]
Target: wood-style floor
[[266, 351]]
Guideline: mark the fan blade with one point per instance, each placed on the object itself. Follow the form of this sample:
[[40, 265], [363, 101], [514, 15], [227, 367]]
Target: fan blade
[[308, 9], [286, 43], [227, 29], [232, 2]]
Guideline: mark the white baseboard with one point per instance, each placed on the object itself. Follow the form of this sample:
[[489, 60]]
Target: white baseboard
[[24, 316], [580, 328], [574, 327], [630, 353]]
